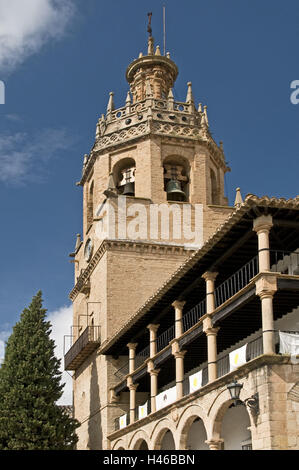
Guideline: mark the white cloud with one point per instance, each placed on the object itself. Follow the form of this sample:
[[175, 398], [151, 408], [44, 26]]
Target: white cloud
[[26, 25], [4, 335], [61, 320], [19, 153]]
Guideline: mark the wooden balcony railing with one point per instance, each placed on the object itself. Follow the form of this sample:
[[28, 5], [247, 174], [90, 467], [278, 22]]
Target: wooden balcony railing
[[87, 342]]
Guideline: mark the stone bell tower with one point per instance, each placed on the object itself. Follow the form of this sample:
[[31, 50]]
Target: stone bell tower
[[153, 158]]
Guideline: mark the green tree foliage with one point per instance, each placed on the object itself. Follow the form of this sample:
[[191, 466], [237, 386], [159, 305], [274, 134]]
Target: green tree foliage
[[30, 385]]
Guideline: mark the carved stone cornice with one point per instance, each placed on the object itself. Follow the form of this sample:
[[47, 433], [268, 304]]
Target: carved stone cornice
[[82, 284]]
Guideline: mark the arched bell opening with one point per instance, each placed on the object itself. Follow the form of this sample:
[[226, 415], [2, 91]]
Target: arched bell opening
[[124, 176], [176, 179]]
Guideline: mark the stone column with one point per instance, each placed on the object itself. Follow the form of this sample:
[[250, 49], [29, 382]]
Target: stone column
[[179, 368], [211, 333], [262, 226], [215, 444], [132, 387], [178, 306], [132, 349], [266, 287], [153, 338], [210, 290], [154, 384]]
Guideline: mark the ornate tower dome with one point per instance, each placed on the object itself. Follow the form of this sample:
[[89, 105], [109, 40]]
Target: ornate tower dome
[[151, 75]]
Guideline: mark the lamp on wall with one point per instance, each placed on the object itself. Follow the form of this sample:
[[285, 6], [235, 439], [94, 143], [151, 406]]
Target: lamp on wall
[[234, 389]]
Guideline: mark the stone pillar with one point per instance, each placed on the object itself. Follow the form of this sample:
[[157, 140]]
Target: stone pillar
[[179, 368], [178, 306], [266, 287], [262, 226], [215, 444], [210, 289], [132, 349], [211, 333], [132, 387], [153, 338], [154, 384]]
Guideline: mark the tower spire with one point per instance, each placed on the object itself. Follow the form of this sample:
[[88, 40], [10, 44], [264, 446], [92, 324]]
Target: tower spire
[[150, 41]]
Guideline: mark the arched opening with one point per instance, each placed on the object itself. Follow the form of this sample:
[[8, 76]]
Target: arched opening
[[176, 178], [197, 436], [214, 188], [141, 445], [234, 428], [124, 176], [167, 442]]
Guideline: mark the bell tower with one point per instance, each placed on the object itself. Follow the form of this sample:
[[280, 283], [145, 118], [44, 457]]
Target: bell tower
[[153, 191]]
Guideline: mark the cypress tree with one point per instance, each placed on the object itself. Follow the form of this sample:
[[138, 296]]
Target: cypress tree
[[30, 385]]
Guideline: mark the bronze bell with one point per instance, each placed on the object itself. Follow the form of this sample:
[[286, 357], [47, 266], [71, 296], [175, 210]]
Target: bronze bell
[[174, 191], [129, 189]]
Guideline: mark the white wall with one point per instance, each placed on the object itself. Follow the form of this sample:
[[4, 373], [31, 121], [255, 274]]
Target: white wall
[[197, 436], [234, 428]]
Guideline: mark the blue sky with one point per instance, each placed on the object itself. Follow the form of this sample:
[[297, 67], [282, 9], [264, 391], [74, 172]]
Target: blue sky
[[60, 59]]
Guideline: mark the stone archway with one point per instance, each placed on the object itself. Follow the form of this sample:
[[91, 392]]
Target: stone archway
[[231, 427], [192, 429], [237, 436], [141, 445], [140, 441], [164, 436], [119, 445]]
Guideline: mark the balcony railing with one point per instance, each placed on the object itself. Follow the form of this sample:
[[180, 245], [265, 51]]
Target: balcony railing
[[164, 339], [142, 356], [236, 282], [191, 318], [254, 349], [87, 342]]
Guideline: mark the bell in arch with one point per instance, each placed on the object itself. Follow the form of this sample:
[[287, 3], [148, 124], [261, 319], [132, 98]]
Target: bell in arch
[[128, 182], [174, 191]]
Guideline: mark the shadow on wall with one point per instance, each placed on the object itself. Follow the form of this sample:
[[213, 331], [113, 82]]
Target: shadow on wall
[[94, 423]]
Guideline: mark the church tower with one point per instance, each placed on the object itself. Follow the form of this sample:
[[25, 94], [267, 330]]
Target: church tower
[[153, 192]]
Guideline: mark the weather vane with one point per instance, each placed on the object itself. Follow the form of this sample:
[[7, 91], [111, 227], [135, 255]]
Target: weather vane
[[149, 28]]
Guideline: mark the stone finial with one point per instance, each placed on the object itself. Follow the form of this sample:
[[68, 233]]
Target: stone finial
[[199, 108], [206, 114], [78, 241], [170, 100], [150, 46], [110, 106], [158, 52], [189, 98], [140, 55], [238, 199], [128, 99], [168, 55]]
